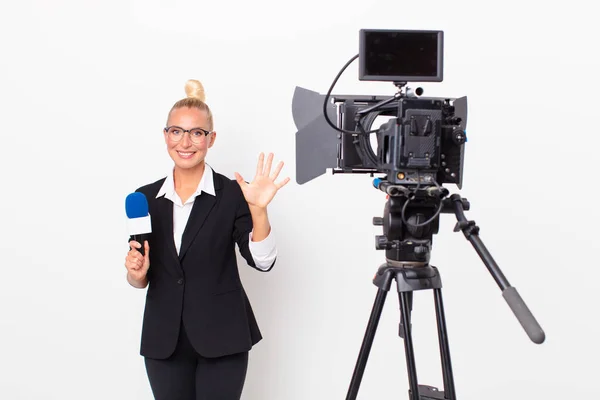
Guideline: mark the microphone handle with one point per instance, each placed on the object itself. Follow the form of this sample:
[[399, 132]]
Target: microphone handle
[[141, 238]]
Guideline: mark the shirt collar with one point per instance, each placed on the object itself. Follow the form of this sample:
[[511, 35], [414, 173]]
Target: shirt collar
[[206, 185]]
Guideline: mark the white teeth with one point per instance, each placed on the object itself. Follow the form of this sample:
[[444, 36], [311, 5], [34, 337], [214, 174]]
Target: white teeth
[[185, 154]]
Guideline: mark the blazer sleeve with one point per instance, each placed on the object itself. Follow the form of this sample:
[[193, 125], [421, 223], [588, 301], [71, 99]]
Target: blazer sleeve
[[242, 229]]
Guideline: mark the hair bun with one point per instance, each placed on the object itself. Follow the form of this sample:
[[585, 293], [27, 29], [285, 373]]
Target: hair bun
[[193, 88]]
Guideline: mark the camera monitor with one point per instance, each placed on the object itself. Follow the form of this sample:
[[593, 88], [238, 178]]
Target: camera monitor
[[401, 55]]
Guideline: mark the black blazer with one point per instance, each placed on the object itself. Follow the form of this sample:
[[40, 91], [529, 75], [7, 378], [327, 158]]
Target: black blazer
[[201, 286]]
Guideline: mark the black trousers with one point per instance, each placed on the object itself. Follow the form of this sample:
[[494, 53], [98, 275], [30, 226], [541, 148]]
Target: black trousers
[[186, 375]]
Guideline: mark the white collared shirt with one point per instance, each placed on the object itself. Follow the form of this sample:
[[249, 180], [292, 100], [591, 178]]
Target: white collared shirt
[[263, 252]]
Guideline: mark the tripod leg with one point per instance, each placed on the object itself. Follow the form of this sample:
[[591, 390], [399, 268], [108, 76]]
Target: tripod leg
[[449, 389], [410, 302], [365, 348], [405, 300]]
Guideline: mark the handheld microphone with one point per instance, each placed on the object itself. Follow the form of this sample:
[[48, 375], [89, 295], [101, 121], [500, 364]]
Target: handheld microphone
[[139, 223]]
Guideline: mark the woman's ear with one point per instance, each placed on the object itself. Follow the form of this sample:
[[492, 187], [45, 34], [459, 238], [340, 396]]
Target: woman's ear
[[166, 136], [213, 137]]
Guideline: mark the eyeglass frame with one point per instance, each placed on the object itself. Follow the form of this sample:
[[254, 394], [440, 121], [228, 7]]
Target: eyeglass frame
[[206, 132]]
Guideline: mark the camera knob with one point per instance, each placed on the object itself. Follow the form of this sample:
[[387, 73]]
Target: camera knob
[[381, 242], [378, 221], [459, 136], [420, 250]]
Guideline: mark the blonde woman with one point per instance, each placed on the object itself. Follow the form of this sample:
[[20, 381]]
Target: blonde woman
[[198, 324]]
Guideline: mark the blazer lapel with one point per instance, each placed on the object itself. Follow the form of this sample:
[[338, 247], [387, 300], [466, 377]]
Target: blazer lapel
[[165, 210], [203, 204]]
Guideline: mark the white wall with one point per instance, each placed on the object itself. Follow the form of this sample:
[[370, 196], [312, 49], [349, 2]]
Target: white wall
[[84, 93]]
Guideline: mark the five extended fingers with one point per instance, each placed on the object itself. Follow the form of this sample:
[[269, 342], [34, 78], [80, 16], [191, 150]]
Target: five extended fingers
[[265, 170]]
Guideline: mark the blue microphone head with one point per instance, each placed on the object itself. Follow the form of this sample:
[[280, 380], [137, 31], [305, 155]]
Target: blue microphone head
[[136, 205]]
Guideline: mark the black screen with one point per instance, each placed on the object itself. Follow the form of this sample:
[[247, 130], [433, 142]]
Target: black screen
[[401, 54]]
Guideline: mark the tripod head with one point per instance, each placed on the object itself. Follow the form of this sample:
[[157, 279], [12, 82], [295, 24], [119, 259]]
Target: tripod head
[[410, 220]]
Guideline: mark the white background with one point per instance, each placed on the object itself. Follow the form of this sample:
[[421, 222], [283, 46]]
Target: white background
[[85, 88]]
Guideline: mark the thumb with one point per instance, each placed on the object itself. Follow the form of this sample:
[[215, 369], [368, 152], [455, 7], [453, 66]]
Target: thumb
[[147, 250], [240, 180]]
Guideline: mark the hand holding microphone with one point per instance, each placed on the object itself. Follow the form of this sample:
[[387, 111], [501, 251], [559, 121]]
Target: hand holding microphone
[[139, 225], [137, 264]]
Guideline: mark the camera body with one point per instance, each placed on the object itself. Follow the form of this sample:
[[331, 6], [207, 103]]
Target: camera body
[[421, 143]]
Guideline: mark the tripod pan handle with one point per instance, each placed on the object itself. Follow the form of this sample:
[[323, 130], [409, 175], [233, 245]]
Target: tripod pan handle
[[525, 317]]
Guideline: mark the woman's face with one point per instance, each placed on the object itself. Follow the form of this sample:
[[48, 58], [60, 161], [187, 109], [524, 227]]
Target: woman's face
[[188, 149]]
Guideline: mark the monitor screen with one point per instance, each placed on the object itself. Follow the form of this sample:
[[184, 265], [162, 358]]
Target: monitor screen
[[400, 55]]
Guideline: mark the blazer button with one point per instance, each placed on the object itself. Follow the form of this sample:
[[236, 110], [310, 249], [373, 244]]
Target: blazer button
[[180, 281]]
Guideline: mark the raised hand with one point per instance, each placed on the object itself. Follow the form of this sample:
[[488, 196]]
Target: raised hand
[[263, 187]]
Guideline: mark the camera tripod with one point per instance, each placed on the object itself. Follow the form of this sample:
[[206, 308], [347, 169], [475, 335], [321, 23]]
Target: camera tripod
[[410, 220]]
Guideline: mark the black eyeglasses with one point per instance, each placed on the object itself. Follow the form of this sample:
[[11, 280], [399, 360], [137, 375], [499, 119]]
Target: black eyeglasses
[[176, 133]]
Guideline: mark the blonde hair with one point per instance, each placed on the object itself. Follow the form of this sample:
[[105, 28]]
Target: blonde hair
[[195, 99]]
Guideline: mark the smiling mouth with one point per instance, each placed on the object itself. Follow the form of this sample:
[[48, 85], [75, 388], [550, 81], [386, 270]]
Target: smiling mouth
[[186, 154]]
